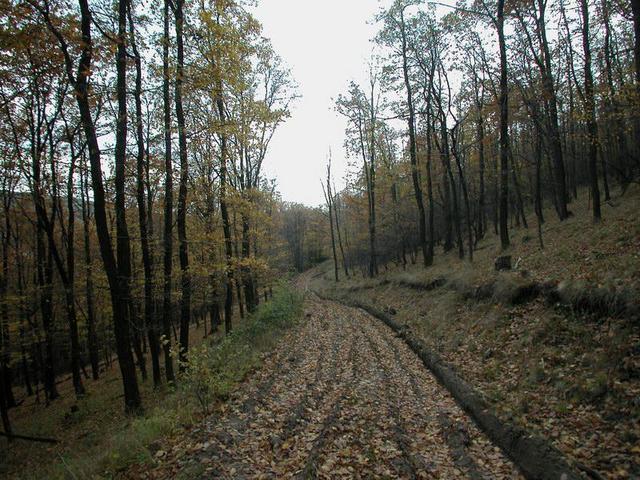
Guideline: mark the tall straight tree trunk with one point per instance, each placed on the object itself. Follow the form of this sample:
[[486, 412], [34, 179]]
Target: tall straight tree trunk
[[590, 110], [123, 247], [537, 195], [454, 193], [136, 338], [92, 338], [549, 91], [44, 279], [151, 322], [373, 256], [572, 135], [24, 320], [538, 180], [413, 152], [635, 8], [465, 193], [496, 197], [518, 192], [504, 130], [328, 199], [224, 212], [185, 281], [70, 286], [481, 193], [371, 217], [446, 189], [336, 217], [431, 239], [619, 143], [66, 271], [247, 276], [4, 409], [333, 241], [214, 306], [5, 352], [168, 204]]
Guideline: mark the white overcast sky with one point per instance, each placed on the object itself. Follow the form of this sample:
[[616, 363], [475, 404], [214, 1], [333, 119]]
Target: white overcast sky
[[326, 44]]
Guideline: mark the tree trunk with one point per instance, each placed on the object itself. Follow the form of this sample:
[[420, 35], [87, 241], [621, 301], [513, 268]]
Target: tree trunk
[[224, 212], [344, 260], [481, 194], [80, 83], [590, 111], [538, 180], [214, 306], [123, 247], [446, 160], [371, 177], [185, 281], [465, 194], [549, 93], [168, 204], [504, 131], [247, 276], [518, 192], [5, 352], [413, 153], [4, 410], [328, 199], [70, 287], [92, 338], [431, 239], [44, 279], [635, 8], [147, 257]]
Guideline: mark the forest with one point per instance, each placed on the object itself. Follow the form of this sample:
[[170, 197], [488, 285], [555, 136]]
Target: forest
[[145, 247], [474, 122]]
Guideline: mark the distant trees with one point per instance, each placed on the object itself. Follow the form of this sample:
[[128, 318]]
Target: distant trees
[[490, 124]]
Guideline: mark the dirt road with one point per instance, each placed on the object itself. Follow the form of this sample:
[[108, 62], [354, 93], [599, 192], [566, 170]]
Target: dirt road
[[344, 398]]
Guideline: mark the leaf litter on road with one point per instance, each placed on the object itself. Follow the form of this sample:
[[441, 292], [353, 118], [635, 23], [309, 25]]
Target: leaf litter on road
[[341, 397]]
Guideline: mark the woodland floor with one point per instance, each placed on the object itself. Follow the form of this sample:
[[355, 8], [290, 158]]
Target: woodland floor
[[341, 397], [569, 375], [84, 435]]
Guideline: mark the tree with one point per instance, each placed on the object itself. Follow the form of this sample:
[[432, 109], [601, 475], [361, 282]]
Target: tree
[[168, 201], [151, 320], [329, 200], [394, 24], [185, 282], [117, 274], [589, 100]]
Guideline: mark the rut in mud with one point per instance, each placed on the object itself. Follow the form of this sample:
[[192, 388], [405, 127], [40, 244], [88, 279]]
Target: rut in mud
[[343, 397]]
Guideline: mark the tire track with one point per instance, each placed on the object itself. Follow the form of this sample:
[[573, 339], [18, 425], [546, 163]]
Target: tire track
[[342, 397], [455, 433]]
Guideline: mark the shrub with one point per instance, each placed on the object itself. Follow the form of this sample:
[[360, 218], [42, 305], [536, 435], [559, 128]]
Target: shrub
[[212, 370]]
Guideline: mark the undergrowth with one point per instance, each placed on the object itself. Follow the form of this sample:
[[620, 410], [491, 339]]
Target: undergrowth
[[215, 369]]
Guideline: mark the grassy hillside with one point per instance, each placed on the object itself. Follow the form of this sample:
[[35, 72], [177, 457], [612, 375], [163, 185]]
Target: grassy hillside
[[557, 366], [97, 440]]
